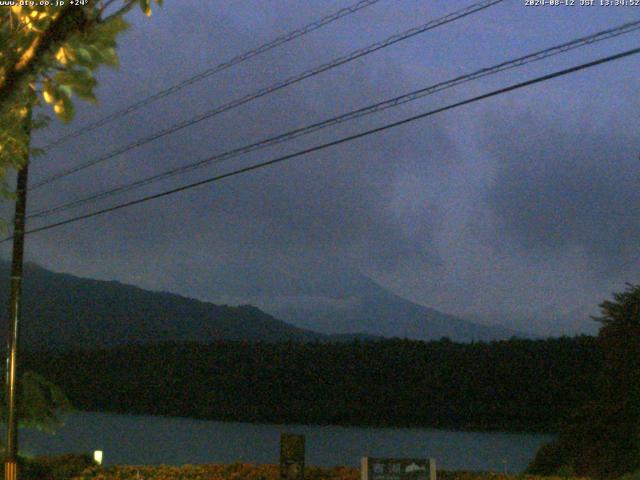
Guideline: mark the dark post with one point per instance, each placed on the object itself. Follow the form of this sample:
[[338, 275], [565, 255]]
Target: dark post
[[10, 465], [291, 457]]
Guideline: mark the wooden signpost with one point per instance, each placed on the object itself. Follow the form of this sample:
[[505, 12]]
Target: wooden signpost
[[397, 469]]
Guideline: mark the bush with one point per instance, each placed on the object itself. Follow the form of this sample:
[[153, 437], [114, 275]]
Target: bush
[[65, 467], [62, 467], [550, 459]]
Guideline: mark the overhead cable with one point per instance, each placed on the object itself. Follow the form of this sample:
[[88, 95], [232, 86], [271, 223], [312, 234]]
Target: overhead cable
[[361, 112], [342, 140], [274, 87], [212, 71]]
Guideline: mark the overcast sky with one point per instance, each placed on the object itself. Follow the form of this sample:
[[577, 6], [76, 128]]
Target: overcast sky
[[521, 209]]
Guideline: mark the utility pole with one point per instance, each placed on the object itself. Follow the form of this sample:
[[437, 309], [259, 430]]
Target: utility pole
[[10, 464]]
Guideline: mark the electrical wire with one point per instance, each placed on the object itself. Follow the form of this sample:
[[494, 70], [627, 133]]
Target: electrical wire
[[275, 87], [212, 71], [342, 140], [377, 107]]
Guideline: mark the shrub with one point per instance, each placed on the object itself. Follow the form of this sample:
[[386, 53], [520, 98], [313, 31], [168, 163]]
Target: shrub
[[63, 467]]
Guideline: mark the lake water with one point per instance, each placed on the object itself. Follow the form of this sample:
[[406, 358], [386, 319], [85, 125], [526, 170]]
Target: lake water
[[138, 439]]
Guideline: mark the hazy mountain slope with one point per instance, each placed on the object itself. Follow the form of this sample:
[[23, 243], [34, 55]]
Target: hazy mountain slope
[[377, 311]]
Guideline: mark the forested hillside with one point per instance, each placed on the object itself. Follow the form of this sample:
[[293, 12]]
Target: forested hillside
[[508, 385], [64, 311]]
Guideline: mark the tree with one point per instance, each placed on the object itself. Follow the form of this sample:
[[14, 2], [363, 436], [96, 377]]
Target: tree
[[42, 404], [50, 53], [602, 439]]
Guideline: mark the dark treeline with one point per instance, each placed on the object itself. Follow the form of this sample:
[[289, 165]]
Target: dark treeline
[[516, 385]]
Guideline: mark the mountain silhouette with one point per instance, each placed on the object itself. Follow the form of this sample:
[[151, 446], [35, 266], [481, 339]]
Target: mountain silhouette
[[64, 311]]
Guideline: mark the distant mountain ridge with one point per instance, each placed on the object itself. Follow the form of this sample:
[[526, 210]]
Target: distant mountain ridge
[[380, 312], [65, 311]]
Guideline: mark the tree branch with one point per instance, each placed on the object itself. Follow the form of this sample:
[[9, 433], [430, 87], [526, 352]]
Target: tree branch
[[128, 5], [104, 6], [71, 20]]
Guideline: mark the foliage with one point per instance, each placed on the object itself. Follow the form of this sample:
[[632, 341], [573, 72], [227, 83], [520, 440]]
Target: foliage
[[62, 467], [517, 385], [52, 52], [602, 438], [241, 471], [631, 476], [41, 404], [550, 458]]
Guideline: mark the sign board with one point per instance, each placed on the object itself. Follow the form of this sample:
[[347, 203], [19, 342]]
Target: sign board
[[398, 469], [291, 457]]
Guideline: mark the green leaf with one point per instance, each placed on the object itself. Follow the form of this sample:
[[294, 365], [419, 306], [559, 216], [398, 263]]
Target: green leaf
[[85, 57], [65, 91], [76, 78], [145, 6], [85, 92], [110, 57], [69, 110]]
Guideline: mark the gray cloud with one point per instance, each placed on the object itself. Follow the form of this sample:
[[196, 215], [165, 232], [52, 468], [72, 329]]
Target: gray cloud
[[565, 183]]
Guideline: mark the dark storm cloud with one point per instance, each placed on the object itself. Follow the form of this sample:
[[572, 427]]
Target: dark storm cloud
[[340, 205], [334, 204], [513, 209], [562, 184]]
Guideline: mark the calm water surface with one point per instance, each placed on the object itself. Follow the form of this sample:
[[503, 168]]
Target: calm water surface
[[138, 439]]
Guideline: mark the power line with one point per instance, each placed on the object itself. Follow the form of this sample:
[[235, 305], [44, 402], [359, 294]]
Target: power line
[[380, 106], [212, 71], [277, 86], [337, 142]]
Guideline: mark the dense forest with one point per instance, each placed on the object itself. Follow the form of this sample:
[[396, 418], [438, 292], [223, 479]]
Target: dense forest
[[514, 385]]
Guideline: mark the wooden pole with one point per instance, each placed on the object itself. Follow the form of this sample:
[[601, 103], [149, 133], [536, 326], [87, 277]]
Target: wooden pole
[[10, 465]]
